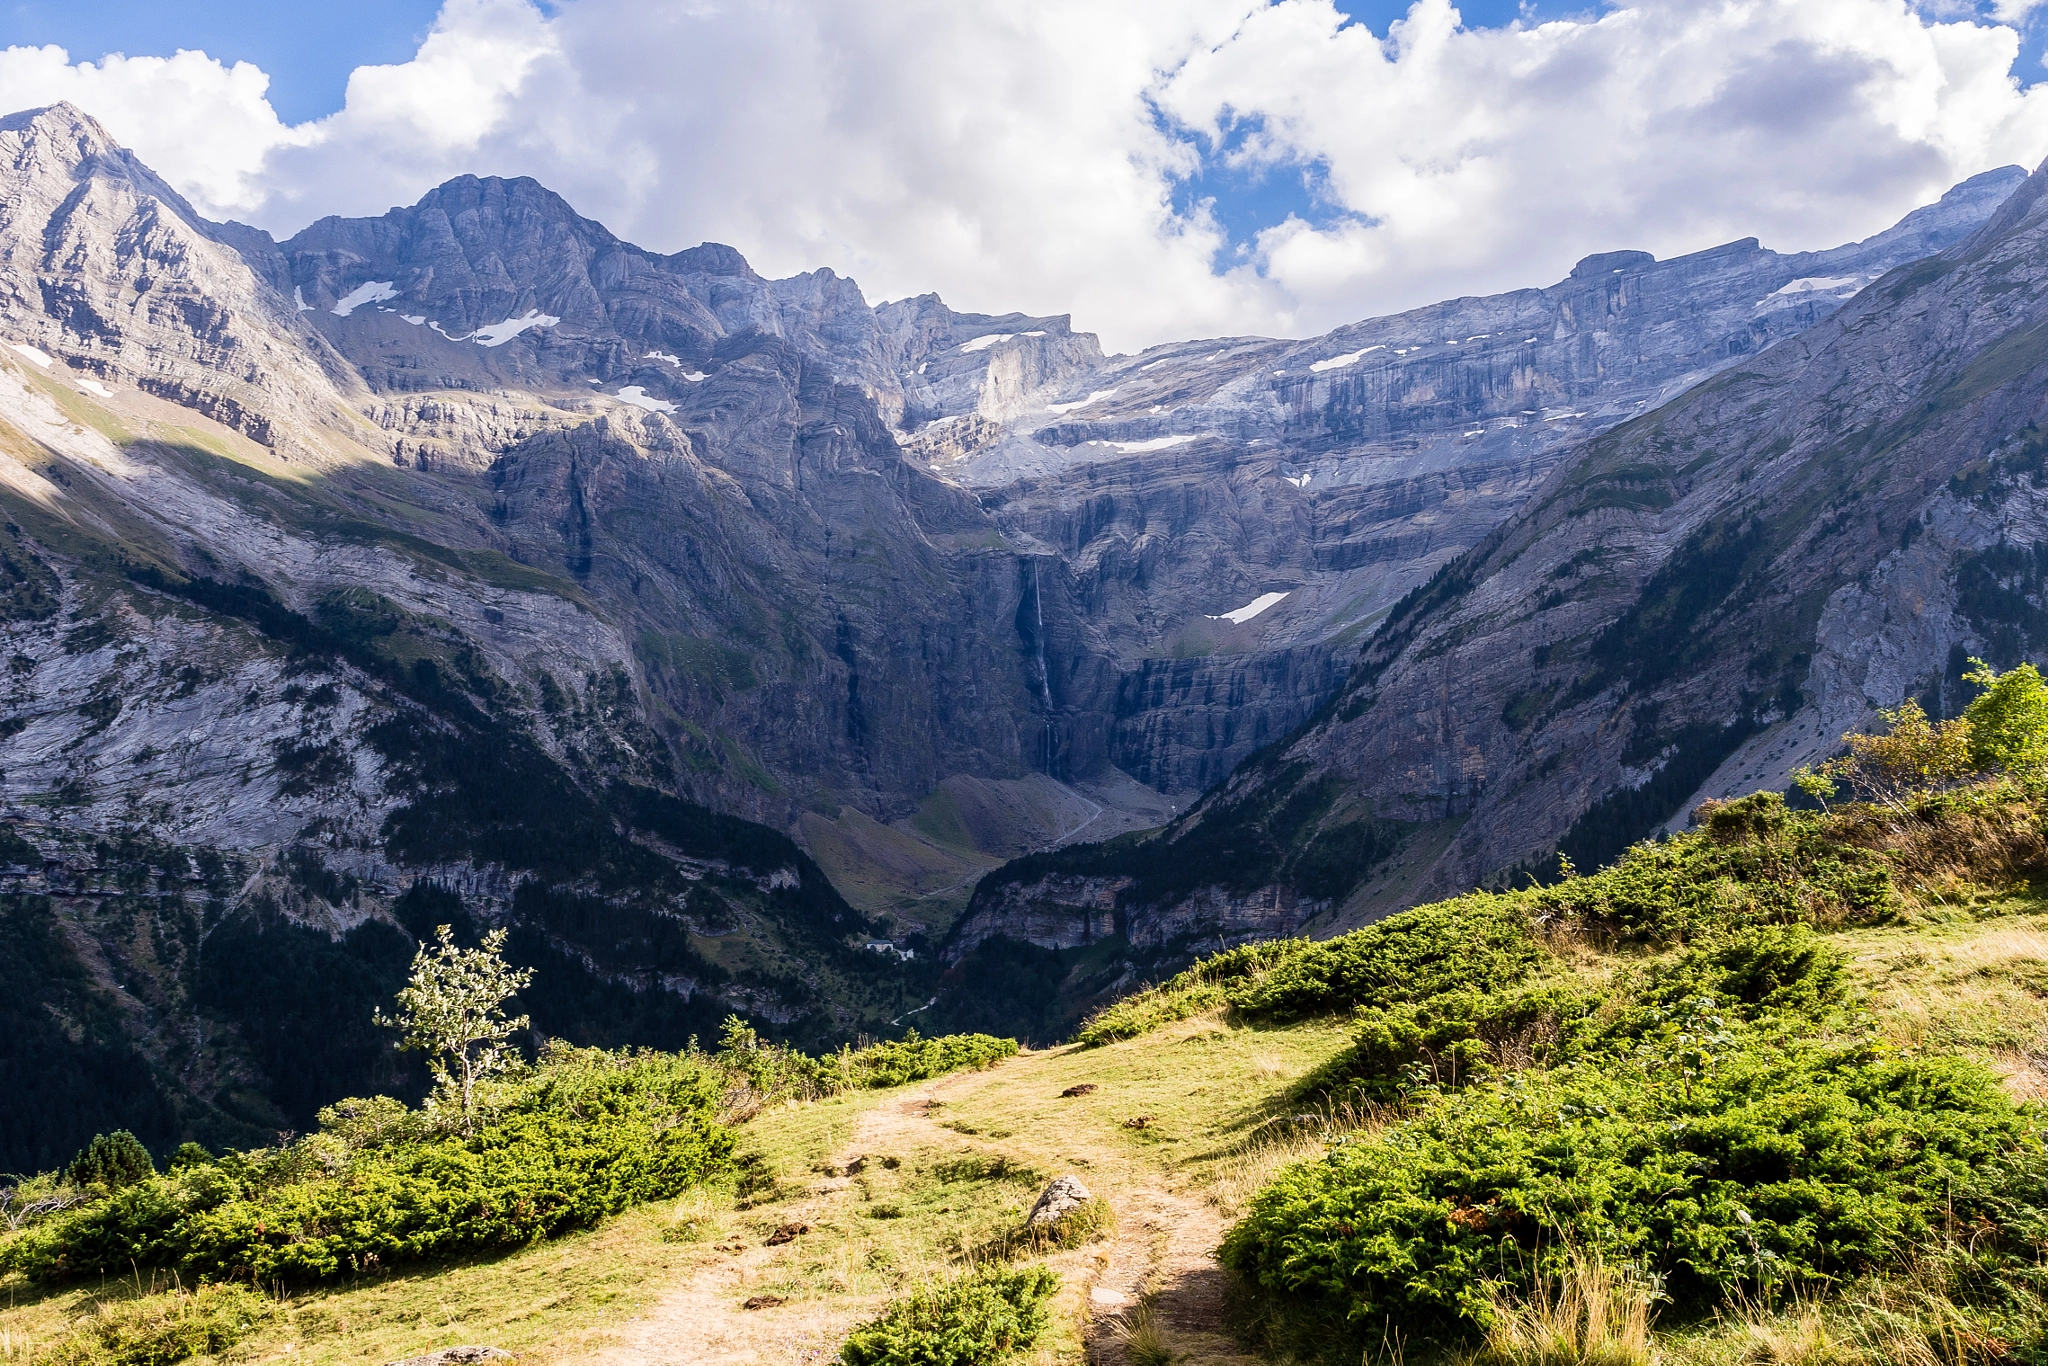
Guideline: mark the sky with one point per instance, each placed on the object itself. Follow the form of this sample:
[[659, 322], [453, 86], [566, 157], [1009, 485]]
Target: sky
[[1160, 169]]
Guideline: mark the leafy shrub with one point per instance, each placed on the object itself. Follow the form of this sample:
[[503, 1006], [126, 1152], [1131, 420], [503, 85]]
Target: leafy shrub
[[1752, 861], [914, 1059], [972, 1320], [112, 1160], [1198, 988], [1451, 1040], [773, 1071], [588, 1134], [1755, 1163], [157, 1330], [1480, 942], [1758, 970]]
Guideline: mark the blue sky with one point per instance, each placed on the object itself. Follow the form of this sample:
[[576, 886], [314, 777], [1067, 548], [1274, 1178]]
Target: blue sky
[[307, 46]]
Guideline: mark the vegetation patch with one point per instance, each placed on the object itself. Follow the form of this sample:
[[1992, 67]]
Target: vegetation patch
[[156, 1330], [972, 1320]]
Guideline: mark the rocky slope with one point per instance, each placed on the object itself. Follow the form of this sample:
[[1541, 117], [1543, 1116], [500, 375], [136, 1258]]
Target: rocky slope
[[1693, 604]]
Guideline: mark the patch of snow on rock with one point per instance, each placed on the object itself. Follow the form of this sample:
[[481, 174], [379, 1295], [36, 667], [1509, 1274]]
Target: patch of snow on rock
[[1157, 443], [1095, 397], [34, 353], [694, 376], [984, 343], [299, 298], [640, 398], [1339, 362], [414, 318], [497, 334], [369, 292], [1250, 609], [1818, 284], [93, 386]]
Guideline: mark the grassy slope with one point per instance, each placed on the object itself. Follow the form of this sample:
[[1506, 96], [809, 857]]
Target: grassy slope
[[1967, 973], [970, 1166]]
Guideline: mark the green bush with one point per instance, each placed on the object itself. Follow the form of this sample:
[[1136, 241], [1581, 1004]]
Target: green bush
[[1727, 1160], [1752, 861], [588, 1134], [158, 1330], [1200, 987], [1757, 970], [774, 1071], [1480, 942], [1451, 1040], [972, 1320], [914, 1059], [112, 1160]]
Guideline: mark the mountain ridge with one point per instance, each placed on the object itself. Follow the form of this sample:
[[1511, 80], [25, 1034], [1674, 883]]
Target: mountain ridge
[[470, 563]]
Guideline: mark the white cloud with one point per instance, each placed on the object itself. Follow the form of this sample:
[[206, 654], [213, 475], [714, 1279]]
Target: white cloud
[[1027, 156], [205, 127]]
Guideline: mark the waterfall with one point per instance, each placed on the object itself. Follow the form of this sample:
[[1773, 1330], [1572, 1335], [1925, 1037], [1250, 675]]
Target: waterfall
[[1048, 745]]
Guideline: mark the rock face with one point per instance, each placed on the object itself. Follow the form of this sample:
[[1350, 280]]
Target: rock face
[[1691, 605]]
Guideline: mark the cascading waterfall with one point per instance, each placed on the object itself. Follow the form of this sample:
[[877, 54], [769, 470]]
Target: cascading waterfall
[[1047, 741]]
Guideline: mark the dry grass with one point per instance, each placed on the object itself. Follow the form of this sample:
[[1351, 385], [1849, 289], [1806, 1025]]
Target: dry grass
[[1943, 859], [1978, 986], [1589, 1316], [1252, 1162]]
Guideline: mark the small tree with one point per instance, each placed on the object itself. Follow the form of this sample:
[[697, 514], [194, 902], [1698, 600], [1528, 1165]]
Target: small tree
[[1912, 756], [453, 1010], [2008, 720], [112, 1160]]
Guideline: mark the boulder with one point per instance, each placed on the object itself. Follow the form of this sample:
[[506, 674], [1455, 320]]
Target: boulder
[[1061, 1197]]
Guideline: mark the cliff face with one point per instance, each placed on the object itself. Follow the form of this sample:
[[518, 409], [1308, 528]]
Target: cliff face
[[1692, 604]]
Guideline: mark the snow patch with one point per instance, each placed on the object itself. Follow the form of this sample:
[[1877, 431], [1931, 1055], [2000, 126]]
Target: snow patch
[[984, 343], [1299, 481], [694, 376], [1250, 609], [1157, 443], [93, 386], [34, 353], [640, 398], [1095, 397], [299, 298], [414, 318], [1031, 334], [1818, 284], [1339, 362], [497, 334], [444, 332], [370, 292]]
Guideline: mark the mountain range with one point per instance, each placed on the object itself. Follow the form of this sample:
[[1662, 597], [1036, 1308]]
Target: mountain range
[[728, 638]]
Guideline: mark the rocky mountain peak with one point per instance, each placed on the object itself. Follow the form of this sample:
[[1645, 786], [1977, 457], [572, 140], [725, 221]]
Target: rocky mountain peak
[[65, 133]]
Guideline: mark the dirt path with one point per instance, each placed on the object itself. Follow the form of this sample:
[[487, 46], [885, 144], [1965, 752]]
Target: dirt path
[[1160, 1258]]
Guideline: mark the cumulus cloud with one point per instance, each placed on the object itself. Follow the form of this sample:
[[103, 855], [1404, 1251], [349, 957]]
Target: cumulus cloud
[[1038, 157]]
